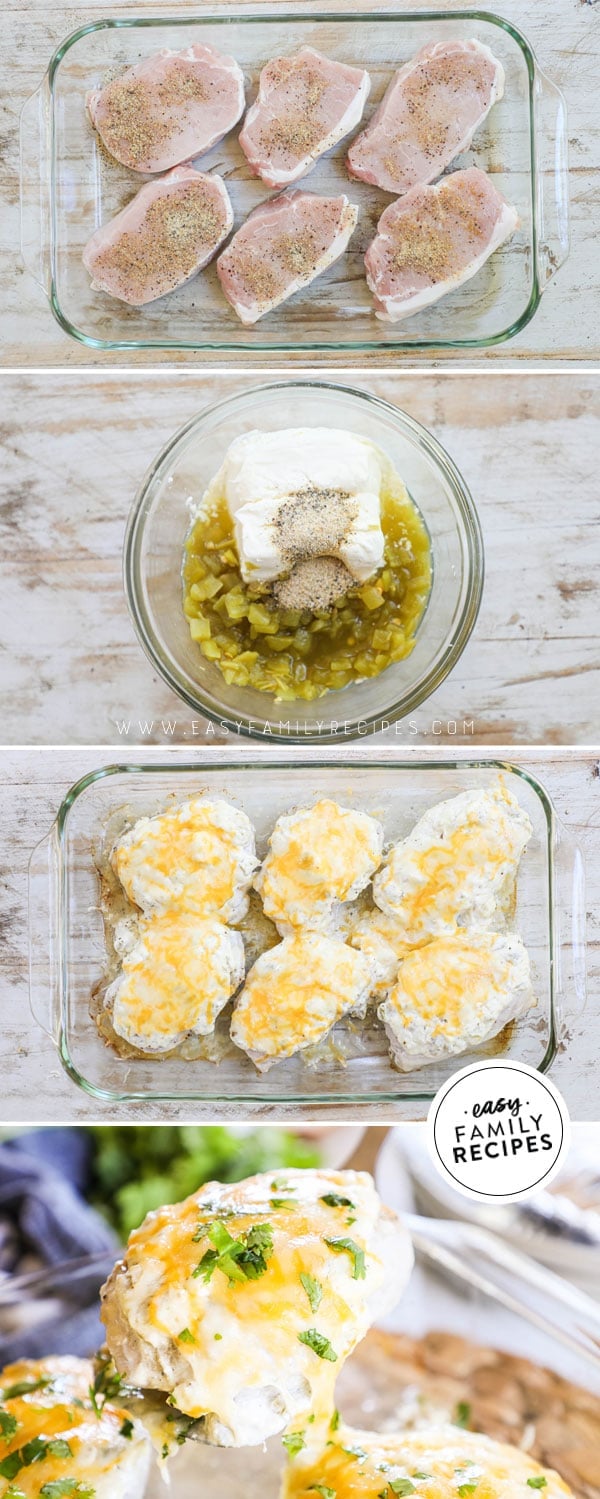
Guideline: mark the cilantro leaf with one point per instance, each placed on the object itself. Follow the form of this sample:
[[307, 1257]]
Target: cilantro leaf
[[26, 1387], [462, 1414], [357, 1255], [59, 1488], [314, 1290], [319, 1344], [335, 1421], [538, 1483], [466, 1488], [333, 1200], [294, 1442], [8, 1425], [239, 1259], [401, 1486], [185, 1336], [321, 1488], [127, 1428]]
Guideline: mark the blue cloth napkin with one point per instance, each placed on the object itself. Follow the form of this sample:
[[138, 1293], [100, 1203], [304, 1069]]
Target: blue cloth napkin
[[43, 1175]]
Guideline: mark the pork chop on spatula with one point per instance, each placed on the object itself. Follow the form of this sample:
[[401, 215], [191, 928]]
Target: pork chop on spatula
[[433, 239]]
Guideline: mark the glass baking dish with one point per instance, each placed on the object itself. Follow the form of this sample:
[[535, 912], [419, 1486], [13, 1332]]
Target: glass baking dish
[[479, 1326], [69, 954], [70, 187]]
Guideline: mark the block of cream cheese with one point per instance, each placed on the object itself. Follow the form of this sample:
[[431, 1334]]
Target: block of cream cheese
[[300, 492]]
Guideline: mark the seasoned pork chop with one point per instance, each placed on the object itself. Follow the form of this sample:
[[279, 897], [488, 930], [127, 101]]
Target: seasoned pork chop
[[306, 103], [169, 108], [430, 113], [284, 245], [433, 239], [169, 231]]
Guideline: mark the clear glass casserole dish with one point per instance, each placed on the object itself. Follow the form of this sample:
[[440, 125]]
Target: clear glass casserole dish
[[70, 187], [160, 519], [68, 950]]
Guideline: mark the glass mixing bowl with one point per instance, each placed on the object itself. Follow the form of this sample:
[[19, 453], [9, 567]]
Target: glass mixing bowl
[[161, 516]]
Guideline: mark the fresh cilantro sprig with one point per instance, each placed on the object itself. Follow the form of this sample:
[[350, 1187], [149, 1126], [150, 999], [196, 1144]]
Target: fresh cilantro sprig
[[239, 1259], [294, 1441], [333, 1200]]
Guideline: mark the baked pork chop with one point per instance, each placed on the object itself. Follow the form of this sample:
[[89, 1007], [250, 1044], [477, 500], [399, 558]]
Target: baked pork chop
[[305, 105], [283, 246], [60, 1438], [433, 239], [243, 1302], [169, 108], [430, 113], [169, 232]]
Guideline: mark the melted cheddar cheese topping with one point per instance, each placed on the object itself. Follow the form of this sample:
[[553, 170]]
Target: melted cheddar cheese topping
[[451, 979], [288, 1325], [199, 855], [323, 854], [439, 1462], [457, 866], [176, 979], [46, 1403], [296, 992]]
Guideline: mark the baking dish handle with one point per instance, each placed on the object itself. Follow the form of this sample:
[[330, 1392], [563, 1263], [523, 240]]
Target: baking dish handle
[[553, 236], [488, 1264], [570, 985], [35, 187], [44, 929]]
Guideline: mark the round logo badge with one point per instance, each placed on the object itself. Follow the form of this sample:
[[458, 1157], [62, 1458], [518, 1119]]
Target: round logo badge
[[498, 1130]]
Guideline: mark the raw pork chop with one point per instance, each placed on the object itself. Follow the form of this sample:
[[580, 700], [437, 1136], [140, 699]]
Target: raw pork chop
[[305, 104], [169, 231], [283, 246], [429, 114], [169, 108], [433, 239]]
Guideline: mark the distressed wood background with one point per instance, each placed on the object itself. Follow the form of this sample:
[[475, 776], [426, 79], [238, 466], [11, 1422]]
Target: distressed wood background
[[32, 1082], [564, 33], [75, 451]]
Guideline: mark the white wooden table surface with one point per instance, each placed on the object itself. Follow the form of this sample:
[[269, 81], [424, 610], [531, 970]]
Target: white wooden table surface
[[564, 33], [32, 1082], [74, 453]]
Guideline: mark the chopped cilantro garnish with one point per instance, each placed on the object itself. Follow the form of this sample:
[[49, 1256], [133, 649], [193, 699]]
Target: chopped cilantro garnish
[[462, 1414], [239, 1259], [294, 1442], [8, 1425], [401, 1486], [26, 1387], [185, 1336], [357, 1452], [319, 1344], [31, 1453], [13, 1493], [314, 1290], [107, 1383], [127, 1428], [466, 1488], [284, 1203], [321, 1488], [164, 1452], [217, 1337], [333, 1200], [335, 1421], [65, 1486], [538, 1483], [348, 1246]]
